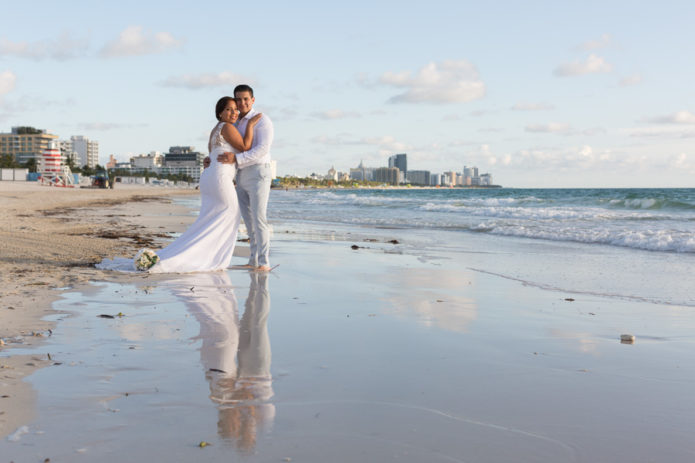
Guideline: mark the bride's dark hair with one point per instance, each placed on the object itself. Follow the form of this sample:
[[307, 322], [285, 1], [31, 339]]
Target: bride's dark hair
[[221, 104]]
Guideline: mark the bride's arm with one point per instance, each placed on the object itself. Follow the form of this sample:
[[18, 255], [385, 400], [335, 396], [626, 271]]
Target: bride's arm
[[233, 137], [248, 136]]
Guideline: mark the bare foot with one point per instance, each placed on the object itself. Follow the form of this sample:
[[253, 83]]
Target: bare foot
[[263, 268]]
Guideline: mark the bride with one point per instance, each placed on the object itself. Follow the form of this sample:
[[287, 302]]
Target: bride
[[208, 244]]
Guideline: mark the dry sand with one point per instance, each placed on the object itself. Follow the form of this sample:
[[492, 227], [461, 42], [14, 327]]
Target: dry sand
[[51, 238]]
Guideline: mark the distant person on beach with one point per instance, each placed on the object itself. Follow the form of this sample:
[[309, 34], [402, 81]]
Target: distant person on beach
[[253, 178]]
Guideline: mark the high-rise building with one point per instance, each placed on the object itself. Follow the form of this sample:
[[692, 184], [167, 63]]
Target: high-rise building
[[25, 143], [419, 177], [388, 175], [450, 178], [87, 151], [361, 173], [400, 161], [183, 160]]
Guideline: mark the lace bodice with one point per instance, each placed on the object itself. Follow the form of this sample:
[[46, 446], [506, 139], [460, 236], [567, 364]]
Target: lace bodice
[[219, 144]]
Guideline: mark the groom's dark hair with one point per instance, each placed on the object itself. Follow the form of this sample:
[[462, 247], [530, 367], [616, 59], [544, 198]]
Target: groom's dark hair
[[243, 88]]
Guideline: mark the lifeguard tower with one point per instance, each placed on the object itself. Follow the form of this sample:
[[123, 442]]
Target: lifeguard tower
[[52, 170]]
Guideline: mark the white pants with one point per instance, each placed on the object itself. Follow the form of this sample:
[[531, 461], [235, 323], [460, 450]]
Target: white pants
[[253, 190]]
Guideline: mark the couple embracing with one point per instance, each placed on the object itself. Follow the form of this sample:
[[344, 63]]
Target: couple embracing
[[239, 146]]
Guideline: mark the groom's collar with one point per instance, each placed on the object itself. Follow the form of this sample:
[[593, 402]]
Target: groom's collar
[[250, 114]]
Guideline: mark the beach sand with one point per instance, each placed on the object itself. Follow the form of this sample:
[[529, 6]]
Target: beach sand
[[50, 238], [356, 348]]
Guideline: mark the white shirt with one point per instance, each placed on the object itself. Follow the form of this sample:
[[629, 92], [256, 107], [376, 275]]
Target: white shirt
[[262, 139]]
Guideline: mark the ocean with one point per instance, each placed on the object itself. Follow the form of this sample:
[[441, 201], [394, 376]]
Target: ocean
[[660, 220], [630, 244]]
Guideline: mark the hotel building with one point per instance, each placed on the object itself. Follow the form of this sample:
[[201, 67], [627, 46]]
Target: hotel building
[[87, 151], [25, 143]]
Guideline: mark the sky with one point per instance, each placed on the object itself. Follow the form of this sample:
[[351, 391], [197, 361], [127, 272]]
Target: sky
[[536, 93]]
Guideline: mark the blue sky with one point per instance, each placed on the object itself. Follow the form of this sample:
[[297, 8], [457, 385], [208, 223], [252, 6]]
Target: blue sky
[[537, 93]]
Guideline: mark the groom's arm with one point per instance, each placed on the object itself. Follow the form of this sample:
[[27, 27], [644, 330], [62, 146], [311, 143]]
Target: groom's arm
[[263, 138]]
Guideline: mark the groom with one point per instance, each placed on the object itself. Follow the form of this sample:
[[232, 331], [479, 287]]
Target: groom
[[253, 178]]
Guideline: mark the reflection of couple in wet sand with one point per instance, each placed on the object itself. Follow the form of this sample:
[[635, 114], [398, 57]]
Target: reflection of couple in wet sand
[[235, 354]]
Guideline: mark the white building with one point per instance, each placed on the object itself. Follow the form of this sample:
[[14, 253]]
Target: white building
[[152, 161], [362, 173], [67, 152], [87, 151], [183, 160], [332, 174], [450, 178]]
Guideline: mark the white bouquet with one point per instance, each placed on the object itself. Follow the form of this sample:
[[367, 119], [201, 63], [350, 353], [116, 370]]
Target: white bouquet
[[145, 259]]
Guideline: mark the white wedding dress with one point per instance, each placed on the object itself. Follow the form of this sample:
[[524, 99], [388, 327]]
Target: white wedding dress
[[208, 244]]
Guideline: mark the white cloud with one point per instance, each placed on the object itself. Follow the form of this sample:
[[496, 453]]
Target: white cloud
[[683, 162], [444, 82], [7, 82], [582, 157], [590, 132], [386, 143], [332, 141], [484, 154], [532, 107], [592, 65], [62, 48], [457, 143], [681, 117], [630, 80], [553, 127], [197, 81], [602, 42], [103, 126], [133, 41], [276, 113], [663, 132], [333, 114]]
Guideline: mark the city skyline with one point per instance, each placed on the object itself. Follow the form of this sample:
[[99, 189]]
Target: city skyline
[[544, 95]]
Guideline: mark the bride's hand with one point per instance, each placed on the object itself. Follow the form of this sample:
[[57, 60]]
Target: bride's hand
[[254, 120]]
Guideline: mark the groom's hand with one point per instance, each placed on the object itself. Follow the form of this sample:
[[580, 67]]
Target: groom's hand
[[206, 162], [226, 158]]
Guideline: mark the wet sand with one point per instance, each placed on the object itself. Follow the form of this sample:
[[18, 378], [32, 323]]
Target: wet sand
[[49, 239], [377, 353]]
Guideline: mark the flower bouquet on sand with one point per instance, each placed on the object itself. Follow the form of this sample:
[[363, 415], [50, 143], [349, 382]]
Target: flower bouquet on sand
[[145, 259]]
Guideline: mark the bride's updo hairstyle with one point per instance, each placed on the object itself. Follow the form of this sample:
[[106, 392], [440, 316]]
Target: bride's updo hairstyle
[[221, 104]]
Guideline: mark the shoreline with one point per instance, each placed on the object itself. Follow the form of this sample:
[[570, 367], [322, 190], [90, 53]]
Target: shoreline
[[389, 187], [50, 239]]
